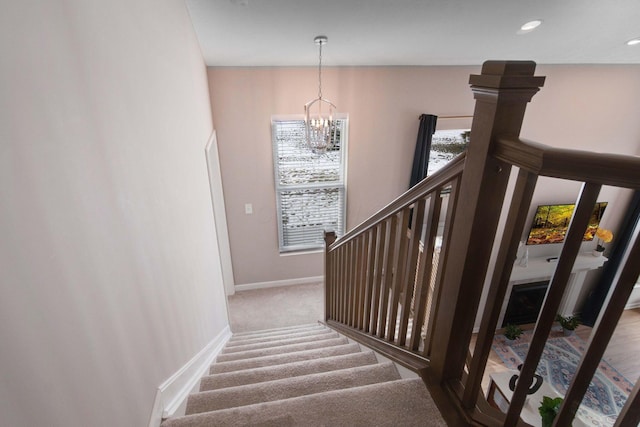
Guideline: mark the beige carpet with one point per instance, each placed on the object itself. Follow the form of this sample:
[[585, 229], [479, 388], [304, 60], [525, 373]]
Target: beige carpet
[[270, 308], [305, 376]]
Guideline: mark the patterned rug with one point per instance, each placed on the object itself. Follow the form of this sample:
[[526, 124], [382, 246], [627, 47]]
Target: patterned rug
[[607, 392]]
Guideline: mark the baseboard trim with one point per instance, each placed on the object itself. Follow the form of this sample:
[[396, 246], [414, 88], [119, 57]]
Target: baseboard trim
[[173, 392], [278, 283]]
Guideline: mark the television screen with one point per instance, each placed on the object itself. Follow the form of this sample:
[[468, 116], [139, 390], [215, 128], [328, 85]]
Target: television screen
[[551, 222]]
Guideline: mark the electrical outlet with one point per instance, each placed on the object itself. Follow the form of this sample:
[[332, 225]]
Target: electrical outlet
[[248, 208]]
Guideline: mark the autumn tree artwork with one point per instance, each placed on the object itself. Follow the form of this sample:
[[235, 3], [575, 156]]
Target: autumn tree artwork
[[551, 222]]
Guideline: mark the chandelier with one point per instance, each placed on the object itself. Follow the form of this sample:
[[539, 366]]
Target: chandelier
[[320, 127]]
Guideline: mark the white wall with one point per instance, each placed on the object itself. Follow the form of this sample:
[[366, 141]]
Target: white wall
[[109, 270], [588, 107]]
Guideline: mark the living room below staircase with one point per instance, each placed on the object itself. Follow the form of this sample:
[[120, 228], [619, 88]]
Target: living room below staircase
[[305, 375]]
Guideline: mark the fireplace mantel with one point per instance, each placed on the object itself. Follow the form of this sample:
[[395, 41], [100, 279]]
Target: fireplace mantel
[[539, 269]]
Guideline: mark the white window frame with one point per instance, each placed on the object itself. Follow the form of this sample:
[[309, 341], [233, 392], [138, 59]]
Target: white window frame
[[281, 189]]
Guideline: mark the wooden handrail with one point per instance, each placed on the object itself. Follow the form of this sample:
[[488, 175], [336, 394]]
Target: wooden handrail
[[442, 176], [577, 165]]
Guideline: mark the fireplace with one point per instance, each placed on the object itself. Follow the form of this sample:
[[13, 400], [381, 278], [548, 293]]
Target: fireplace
[[525, 303], [530, 284]]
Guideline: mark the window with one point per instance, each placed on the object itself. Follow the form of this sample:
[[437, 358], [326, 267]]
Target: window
[[310, 186]]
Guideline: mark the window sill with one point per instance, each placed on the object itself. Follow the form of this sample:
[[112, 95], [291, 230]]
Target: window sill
[[302, 252]]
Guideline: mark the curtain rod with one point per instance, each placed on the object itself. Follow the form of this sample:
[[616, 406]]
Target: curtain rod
[[452, 117], [455, 117]]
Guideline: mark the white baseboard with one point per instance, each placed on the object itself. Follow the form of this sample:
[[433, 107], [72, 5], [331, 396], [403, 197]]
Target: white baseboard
[[278, 283], [173, 392]]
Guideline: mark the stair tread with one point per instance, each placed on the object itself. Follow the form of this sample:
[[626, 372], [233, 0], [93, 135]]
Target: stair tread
[[276, 331], [280, 342], [279, 359], [258, 339], [283, 349], [401, 402], [282, 328], [303, 367], [287, 388]]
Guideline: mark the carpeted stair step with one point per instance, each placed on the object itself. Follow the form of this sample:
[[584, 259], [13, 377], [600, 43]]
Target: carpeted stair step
[[289, 370], [280, 342], [275, 332], [291, 387], [268, 338], [395, 403], [279, 359], [280, 329], [250, 354]]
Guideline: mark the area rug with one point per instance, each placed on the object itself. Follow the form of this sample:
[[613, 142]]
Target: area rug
[[607, 392]]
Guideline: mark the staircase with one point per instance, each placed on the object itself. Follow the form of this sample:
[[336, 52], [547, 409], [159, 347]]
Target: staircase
[[305, 375]]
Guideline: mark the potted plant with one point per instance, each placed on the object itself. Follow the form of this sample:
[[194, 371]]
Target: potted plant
[[512, 332], [604, 236], [568, 323], [549, 408]]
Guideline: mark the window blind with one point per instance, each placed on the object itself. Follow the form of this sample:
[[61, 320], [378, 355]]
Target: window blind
[[310, 187]]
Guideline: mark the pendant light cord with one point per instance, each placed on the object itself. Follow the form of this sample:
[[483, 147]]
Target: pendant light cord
[[320, 72]]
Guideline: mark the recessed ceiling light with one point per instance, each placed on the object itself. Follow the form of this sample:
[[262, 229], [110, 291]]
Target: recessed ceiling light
[[634, 42], [531, 25]]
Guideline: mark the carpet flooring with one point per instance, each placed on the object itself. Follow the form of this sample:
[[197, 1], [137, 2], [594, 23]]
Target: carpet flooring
[[607, 392], [259, 309], [305, 375]]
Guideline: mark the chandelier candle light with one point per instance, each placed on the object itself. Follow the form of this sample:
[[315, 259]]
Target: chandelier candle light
[[318, 121]]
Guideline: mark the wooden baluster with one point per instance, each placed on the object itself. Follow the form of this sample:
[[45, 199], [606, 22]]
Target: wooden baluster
[[357, 244], [338, 281], [381, 231], [599, 340], [452, 206], [389, 255], [557, 286], [344, 283], [351, 288], [426, 267], [409, 276], [370, 271], [348, 261], [517, 216], [329, 267], [363, 243], [398, 272]]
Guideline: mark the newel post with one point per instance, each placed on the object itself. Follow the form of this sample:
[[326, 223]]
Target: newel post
[[501, 92], [329, 238]]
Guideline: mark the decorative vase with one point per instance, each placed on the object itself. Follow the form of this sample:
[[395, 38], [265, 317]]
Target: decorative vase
[[597, 252], [567, 332]]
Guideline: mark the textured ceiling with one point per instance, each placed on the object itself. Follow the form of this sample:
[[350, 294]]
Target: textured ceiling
[[414, 32]]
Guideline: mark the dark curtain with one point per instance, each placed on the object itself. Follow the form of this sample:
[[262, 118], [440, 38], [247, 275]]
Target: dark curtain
[[594, 302], [423, 147]]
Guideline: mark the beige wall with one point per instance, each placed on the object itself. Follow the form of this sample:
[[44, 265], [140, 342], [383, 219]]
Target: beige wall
[[109, 270], [588, 107], [383, 106]]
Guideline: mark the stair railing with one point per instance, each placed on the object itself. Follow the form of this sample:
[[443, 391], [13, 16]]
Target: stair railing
[[408, 281], [381, 277]]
